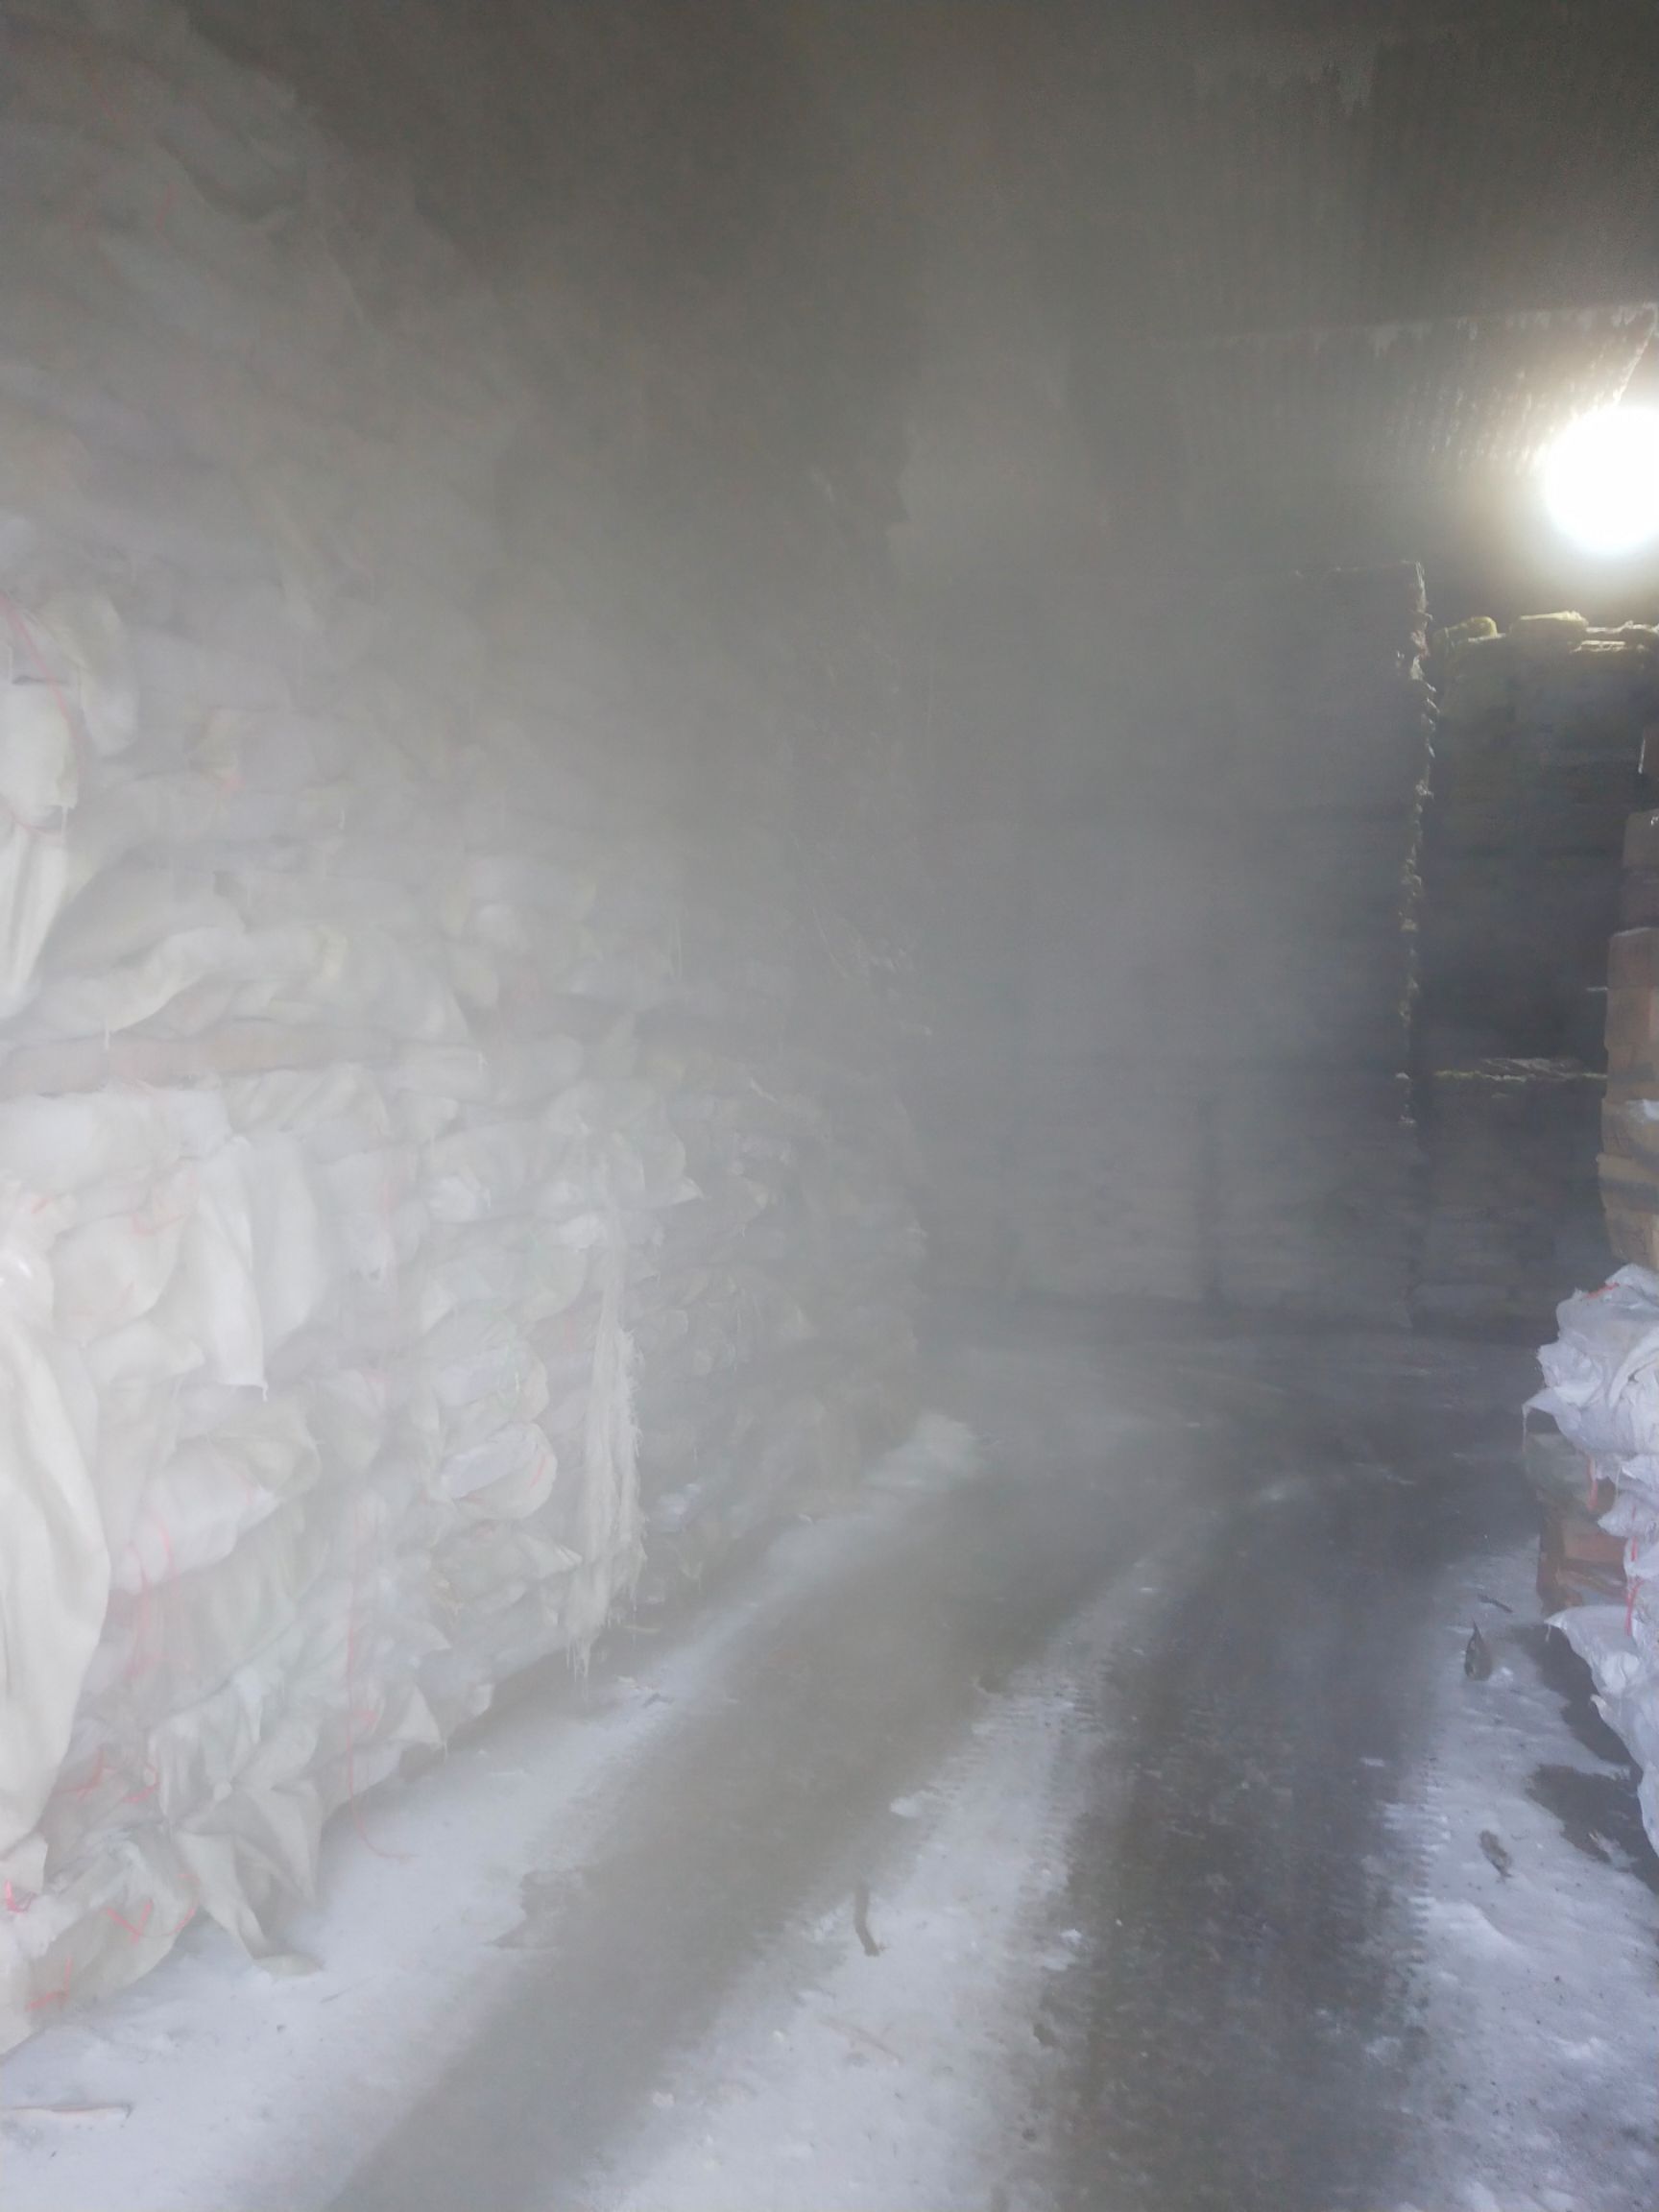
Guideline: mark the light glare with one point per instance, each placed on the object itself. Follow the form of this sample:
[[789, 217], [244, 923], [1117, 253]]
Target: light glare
[[1602, 480]]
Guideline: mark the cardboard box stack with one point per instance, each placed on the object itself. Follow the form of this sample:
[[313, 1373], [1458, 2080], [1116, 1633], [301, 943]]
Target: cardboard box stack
[[1536, 770]]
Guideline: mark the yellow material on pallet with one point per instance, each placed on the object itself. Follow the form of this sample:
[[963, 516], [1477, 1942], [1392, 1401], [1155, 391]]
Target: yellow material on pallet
[[1541, 636], [1449, 642]]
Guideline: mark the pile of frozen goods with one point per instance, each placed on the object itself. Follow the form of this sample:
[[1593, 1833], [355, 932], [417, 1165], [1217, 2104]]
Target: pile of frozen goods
[[426, 1208]]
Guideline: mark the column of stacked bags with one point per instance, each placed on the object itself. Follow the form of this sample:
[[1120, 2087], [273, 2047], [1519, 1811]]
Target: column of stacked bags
[[337, 1173]]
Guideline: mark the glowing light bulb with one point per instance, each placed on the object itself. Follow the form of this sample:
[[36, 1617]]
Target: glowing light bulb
[[1601, 480]]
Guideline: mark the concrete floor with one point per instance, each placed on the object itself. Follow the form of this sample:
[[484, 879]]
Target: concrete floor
[[1231, 1893], [1031, 1843]]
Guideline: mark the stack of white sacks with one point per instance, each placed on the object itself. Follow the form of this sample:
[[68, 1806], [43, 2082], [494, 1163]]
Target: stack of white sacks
[[318, 1364], [350, 1245], [777, 1328], [1602, 1389]]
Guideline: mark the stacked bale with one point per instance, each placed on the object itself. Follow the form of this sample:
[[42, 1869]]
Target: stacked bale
[[1111, 1188], [777, 1332], [1311, 946], [1110, 1151], [363, 1227], [1629, 1160], [1511, 1189], [1220, 972], [1536, 770], [966, 1079], [1535, 773]]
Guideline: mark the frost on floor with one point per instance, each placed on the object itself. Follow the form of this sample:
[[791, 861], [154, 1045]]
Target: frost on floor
[[888, 2054], [214, 2083], [874, 2059], [1538, 1956]]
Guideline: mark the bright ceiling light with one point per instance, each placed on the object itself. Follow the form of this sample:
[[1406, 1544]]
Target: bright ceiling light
[[1602, 480]]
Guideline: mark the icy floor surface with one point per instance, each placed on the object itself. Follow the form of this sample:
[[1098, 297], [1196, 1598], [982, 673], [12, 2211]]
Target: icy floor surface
[[1170, 1597], [1538, 1966]]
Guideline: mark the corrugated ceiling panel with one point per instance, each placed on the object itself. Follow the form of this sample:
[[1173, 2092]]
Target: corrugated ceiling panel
[[1425, 398]]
